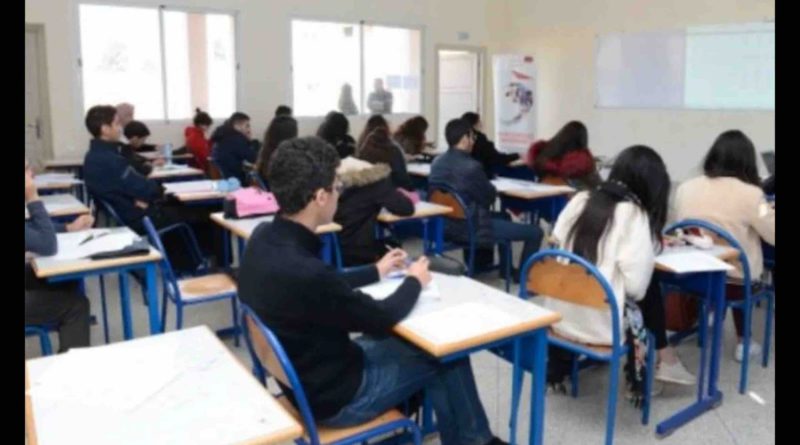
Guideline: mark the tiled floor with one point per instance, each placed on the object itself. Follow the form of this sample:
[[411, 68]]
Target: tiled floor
[[742, 419]]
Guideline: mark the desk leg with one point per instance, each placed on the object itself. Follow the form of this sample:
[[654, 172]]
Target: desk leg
[[718, 292], [538, 387], [226, 248], [152, 298], [125, 305], [240, 250], [438, 234]]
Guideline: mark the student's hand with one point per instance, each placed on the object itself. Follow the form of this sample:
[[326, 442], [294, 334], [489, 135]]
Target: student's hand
[[419, 270], [394, 259], [82, 222], [158, 162], [31, 194], [141, 204]]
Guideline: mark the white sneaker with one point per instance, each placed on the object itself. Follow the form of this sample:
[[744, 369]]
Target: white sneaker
[[675, 373], [755, 350]]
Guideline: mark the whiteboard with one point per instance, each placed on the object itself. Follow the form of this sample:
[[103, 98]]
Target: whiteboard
[[703, 67]]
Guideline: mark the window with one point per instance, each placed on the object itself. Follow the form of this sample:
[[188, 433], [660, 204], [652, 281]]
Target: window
[[122, 50], [355, 68]]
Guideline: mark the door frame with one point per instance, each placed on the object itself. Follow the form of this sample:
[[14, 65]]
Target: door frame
[[481, 52], [44, 89]]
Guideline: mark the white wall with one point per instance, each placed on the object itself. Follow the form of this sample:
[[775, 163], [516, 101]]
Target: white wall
[[560, 35], [264, 53]]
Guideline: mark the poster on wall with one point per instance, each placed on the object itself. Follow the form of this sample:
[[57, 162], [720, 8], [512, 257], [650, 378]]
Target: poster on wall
[[514, 101]]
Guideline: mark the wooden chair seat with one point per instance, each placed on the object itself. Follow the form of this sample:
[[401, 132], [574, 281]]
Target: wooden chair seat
[[599, 349], [329, 435], [206, 286]]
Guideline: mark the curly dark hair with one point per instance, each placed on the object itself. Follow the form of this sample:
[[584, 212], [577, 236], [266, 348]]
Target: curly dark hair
[[298, 168]]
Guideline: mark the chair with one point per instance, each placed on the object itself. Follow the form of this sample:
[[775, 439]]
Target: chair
[[193, 290], [753, 295], [579, 282], [445, 195], [44, 337], [268, 356]]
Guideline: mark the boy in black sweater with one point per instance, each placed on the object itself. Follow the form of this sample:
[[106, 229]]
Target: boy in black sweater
[[313, 309]]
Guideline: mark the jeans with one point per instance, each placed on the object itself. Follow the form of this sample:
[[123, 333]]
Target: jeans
[[510, 231], [395, 370]]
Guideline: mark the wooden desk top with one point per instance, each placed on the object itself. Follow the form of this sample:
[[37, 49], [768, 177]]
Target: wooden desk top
[[421, 210], [519, 188], [46, 267], [212, 397], [467, 314], [153, 155], [243, 228], [175, 171], [200, 196], [62, 205], [63, 163]]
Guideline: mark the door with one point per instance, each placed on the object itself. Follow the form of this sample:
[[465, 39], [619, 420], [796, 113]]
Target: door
[[37, 148], [459, 86]]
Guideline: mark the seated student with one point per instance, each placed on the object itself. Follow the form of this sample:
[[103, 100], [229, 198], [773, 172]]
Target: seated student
[[57, 304], [110, 177], [232, 146], [410, 135], [137, 133], [335, 130], [196, 140], [313, 310], [457, 169], [125, 111], [367, 190], [378, 147], [484, 150], [729, 195], [283, 110], [565, 158], [618, 226], [280, 129]]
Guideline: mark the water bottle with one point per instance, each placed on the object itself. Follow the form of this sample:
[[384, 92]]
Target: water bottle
[[166, 150]]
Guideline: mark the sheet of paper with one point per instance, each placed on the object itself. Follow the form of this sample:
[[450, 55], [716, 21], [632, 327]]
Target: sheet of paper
[[508, 184], [693, 260], [190, 186], [460, 322], [419, 169], [71, 245], [382, 289]]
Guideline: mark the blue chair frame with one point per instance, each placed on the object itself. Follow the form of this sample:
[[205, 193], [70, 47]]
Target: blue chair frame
[[290, 379], [746, 304], [171, 289], [43, 332], [472, 242], [618, 350]]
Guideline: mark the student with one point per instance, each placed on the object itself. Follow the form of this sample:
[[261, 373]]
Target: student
[[379, 148], [313, 310], [125, 112], [346, 103], [283, 110], [367, 190], [457, 169], [380, 101], [196, 140], [484, 150], [137, 133], [335, 130], [729, 195], [280, 129], [411, 135], [617, 226], [231, 146], [374, 121], [565, 158], [110, 177], [61, 305]]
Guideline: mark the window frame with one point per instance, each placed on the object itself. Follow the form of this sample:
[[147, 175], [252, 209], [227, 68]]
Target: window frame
[[423, 53], [78, 50]]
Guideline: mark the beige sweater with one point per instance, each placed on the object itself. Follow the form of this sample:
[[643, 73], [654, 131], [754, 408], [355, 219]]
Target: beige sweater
[[739, 208], [626, 259]]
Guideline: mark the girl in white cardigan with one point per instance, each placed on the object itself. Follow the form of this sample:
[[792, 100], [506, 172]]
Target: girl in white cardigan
[[617, 226]]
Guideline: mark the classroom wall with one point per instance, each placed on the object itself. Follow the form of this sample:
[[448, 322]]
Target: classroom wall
[[560, 35], [264, 45]]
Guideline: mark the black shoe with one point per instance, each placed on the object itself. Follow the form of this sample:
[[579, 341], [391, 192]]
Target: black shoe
[[496, 441]]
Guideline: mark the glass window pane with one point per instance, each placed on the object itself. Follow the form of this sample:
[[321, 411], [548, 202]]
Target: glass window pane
[[325, 68], [392, 71], [221, 59], [121, 60], [177, 59]]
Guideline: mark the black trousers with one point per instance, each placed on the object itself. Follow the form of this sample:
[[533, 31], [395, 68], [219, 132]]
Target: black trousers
[[61, 305], [559, 361]]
